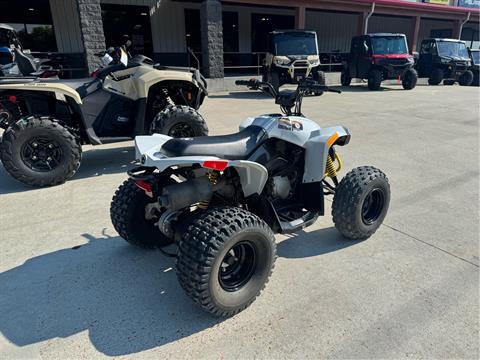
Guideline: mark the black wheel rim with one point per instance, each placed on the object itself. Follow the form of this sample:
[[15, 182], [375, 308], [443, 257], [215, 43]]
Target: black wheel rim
[[373, 206], [41, 154], [181, 130], [237, 266]]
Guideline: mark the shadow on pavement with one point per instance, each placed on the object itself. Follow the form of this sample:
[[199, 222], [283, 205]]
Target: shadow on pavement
[[318, 242], [364, 88], [95, 162], [127, 299]]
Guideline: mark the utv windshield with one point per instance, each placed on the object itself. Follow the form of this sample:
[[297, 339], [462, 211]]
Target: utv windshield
[[389, 45], [452, 49], [294, 43], [476, 57]]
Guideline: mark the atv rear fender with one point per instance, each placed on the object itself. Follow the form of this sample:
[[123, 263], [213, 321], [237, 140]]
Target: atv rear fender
[[253, 176]]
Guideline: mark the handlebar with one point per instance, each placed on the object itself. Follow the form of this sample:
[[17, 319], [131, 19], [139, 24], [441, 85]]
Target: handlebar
[[308, 85]]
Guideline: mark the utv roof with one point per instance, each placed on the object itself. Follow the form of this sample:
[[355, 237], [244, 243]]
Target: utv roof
[[6, 27], [440, 39], [291, 31], [384, 34]]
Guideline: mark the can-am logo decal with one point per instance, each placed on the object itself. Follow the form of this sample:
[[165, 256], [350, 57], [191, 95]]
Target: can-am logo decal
[[291, 125]]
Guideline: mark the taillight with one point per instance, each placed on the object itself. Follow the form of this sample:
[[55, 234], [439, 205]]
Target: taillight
[[12, 99], [145, 186], [219, 165]]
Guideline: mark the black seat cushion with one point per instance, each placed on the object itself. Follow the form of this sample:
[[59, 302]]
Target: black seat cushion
[[25, 64], [84, 86], [231, 147]]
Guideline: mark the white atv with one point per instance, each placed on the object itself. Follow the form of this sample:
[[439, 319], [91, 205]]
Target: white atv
[[221, 199]]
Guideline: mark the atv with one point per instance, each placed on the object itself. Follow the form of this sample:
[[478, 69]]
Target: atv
[[47, 121], [221, 199], [444, 60], [379, 57], [292, 58]]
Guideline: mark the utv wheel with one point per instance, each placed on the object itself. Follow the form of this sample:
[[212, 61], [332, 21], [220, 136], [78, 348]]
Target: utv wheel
[[275, 80], [225, 259], [179, 121], [361, 202], [345, 78], [319, 77], [375, 79], [436, 77], [127, 212], [38, 151], [466, 79], [409, 80]]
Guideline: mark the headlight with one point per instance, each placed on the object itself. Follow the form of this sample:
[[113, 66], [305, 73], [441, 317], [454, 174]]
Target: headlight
[[281, 60], [444, 61], [314, 62]]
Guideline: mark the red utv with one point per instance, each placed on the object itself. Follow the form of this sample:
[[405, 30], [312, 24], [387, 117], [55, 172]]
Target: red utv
[[379, 57]]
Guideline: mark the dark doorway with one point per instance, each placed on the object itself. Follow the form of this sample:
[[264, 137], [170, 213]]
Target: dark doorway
[[262, 24], [192, 30], [134, 21]]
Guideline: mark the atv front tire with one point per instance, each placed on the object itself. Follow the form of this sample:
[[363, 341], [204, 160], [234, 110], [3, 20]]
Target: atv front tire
[[39, 151], [127, 212], [179, 121], [361, 202], [436, 77], [375, 79], [409, 80], [225, 259], [466, 79], [320, 78]]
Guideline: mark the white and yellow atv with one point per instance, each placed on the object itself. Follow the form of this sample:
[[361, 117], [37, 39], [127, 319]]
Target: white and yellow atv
[[222, 198], [47, 121]]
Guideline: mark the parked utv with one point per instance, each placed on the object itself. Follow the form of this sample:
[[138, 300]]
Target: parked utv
[[47, 121], [475, 66], [444, 60], [292, 58], [379, 57], [222, 198]]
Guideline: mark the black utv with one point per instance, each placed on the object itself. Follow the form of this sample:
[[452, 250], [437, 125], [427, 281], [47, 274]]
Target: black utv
[[292, 58], [379, 57], [475, 66], [444, 60]]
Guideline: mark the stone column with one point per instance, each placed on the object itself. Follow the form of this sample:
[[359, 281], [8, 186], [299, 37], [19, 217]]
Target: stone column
[[414, 33], [91, 27], [212, 38]]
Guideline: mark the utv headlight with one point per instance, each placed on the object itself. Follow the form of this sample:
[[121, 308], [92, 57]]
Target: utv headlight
[[444, 61], [313, 60], [281, 60]]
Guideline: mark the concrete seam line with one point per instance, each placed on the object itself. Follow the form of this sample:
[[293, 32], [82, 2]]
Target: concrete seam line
[[433, 246]]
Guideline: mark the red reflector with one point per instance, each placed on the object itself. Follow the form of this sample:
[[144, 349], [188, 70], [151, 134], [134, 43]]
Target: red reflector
[[219, 165], [12, 99], [145, 186]]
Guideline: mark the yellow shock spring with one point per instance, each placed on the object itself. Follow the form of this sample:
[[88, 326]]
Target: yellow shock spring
[[330, 170], [213, 177]]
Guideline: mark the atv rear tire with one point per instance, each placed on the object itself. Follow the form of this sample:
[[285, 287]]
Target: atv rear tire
[[345, 78], [436, 77], [466, 79], [179, 121], [375, 79], [361, 202], [409, 80], [39, 151], [127, 212], [225, 259]]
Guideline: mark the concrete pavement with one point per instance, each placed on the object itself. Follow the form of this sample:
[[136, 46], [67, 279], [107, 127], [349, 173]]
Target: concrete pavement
[[71, 288]]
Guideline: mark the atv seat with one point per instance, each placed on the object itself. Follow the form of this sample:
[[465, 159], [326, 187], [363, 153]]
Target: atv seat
[[237, 146], [84, 86]]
